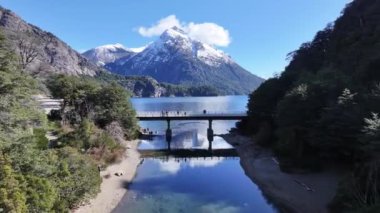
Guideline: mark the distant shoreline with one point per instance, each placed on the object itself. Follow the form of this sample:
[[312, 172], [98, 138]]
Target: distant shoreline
[[113, 188], [297, 193], [188, 96]]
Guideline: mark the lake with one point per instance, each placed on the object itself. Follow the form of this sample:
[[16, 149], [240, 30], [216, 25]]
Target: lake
[[212, 184]]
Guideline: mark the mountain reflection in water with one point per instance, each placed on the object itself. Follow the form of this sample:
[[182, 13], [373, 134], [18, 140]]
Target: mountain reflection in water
[[202, 184]]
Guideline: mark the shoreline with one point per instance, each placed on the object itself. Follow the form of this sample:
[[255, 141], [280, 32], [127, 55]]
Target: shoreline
[[289, 192], [113, 188]]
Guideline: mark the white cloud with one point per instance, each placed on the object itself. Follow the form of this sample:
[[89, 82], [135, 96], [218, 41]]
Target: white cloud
[[170, 166], [160, 26], [219, 207], [204, 162], [209, 33], [173, 166]]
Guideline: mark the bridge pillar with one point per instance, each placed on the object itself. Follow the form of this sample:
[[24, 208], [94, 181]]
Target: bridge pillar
[[168, 134], [210, 135]]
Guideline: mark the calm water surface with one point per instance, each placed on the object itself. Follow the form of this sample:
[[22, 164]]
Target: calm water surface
[[191, 184]]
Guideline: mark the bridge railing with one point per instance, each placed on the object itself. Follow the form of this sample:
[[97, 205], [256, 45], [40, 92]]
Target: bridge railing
[[188, 113]]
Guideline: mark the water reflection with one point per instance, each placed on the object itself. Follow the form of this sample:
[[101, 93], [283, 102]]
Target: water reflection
[[193, 185], [173, 165], [184, 140], [189, 134], [189, 184]]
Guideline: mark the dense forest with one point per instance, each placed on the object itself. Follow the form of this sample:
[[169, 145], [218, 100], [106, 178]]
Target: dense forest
[[144, 86], [325, 106], [42, 175], [185, 90]]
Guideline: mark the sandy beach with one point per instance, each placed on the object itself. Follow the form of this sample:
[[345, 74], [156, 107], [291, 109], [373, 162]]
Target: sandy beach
[[113, 187], [298, 193]]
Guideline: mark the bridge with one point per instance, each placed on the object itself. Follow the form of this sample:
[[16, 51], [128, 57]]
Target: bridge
[[181, 115]]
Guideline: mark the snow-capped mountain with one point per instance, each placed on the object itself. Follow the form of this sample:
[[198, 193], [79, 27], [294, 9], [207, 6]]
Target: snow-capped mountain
[[178, 59], [174, 42], [105, 54]]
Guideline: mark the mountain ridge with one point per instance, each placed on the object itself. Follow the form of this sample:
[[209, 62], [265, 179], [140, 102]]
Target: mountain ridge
[[177, 59], [52, 55], [109, 53]]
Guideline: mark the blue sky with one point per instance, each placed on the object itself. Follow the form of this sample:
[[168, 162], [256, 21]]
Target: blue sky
[[260, 32]]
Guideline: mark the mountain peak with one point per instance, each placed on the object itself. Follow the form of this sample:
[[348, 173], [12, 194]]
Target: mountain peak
[[111, 47], [177, 29], [178, 41], [173, 33], [107, 53]]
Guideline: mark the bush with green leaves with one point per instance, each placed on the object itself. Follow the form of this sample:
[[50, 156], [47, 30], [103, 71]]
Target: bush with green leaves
[[88, 99], [96, 142]]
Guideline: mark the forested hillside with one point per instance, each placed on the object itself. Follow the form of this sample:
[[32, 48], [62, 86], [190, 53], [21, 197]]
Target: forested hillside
[[144, 86], [38, 175], [325, 106]]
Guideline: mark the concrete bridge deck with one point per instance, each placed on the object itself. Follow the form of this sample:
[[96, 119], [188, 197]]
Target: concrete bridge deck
[[157, 116]]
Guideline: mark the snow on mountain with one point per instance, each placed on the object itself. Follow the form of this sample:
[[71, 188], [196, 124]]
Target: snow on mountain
[[110, 47], [176, 39], [176, 58], [204, 52], [110, 53], [211, 56], [137, 49], [172, 37]]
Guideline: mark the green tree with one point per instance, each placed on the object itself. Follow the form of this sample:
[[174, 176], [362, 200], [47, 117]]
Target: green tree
[[261, 110], [76, 93], [41, 194], [371, 135], [12, 198], [81, 179], [113, 104], [341, 125], [295, 117]]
